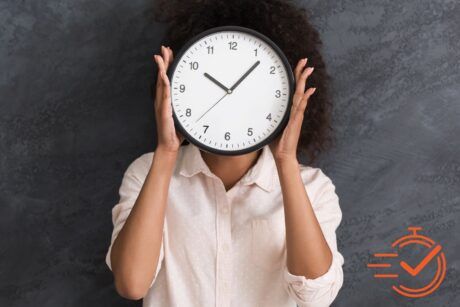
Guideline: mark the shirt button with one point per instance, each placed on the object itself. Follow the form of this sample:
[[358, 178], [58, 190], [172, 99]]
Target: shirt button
[[225, 209]]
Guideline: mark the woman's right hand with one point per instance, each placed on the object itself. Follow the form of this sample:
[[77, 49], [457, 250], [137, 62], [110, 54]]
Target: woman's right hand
[[169, 140]]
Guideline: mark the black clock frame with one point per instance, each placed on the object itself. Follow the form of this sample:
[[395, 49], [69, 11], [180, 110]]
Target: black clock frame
[[290, 76]]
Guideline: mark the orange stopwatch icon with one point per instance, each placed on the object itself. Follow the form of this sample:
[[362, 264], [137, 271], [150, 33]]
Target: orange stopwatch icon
[[433, 253]]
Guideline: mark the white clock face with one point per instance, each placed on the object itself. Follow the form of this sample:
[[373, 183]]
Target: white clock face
[[230, 91]]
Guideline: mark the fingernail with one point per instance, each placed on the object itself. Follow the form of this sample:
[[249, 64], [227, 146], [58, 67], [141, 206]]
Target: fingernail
[[314, 89]]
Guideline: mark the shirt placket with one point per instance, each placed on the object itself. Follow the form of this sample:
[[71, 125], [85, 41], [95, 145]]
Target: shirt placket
[[224, 239]]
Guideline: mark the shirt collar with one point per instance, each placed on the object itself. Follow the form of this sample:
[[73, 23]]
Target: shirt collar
[[263, 173]]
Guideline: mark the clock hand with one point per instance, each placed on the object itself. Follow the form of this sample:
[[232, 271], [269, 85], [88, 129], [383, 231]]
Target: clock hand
[[217, 82], [228, 91], [212, 107], [244, 76]]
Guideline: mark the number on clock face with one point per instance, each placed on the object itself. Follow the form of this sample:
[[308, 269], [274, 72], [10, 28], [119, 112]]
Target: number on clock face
[[230, 90]]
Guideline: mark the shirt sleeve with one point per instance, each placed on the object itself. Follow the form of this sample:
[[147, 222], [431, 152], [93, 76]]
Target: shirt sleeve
[[132, 182], [322, 290]]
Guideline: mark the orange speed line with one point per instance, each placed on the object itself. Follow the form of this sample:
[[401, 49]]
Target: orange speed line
[[379, 265], [392, 255]]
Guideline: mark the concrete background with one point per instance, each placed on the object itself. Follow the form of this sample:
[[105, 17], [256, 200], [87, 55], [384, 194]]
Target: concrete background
[[75, 110]]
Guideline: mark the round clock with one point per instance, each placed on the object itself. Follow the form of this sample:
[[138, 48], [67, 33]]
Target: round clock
[[231, 90]]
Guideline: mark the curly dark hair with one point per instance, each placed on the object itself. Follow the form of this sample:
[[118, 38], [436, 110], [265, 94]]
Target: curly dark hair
[[283, 22]]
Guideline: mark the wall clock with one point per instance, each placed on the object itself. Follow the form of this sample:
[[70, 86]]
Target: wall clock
[[231, 90]]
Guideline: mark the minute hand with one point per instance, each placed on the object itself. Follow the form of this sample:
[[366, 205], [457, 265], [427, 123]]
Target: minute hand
[[244, 76]]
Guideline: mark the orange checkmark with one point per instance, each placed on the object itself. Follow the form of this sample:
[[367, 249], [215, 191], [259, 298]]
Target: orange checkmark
[[421, 265]]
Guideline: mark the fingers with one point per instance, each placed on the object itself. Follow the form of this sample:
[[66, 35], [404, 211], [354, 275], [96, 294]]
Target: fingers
[[165, 94], [301, 74], [162, 71], [300, 65], [167, 56], [161, 64], [304, 100], [162, 97], [166, 89], [171, 57], [301, 81], [159, 87], [165, 60], [172, 54], [299, 108]]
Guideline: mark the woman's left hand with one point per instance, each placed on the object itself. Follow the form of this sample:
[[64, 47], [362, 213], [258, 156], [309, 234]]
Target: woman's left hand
[[284, 147]]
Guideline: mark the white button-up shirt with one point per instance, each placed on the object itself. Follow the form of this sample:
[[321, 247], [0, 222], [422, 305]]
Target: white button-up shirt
[[227, 248]]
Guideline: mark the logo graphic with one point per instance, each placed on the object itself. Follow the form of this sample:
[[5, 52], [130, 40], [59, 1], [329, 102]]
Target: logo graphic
[[431, 255]]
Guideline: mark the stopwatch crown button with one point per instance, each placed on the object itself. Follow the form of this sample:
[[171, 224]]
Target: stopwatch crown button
[[414, 229]]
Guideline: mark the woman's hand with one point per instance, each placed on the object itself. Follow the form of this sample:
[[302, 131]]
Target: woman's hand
[[169, 140], [284, 147]]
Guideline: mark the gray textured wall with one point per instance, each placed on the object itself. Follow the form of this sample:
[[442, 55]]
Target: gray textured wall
[[75, 110]]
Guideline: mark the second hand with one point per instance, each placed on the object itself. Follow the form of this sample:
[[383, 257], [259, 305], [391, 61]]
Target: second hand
[[212, 107]]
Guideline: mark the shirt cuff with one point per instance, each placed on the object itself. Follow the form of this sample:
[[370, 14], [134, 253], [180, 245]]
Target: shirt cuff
[[159, 265], [320, 291], [107, 258]]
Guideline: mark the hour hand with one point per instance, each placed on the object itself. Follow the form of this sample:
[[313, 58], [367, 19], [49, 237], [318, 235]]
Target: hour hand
[[217, 83]]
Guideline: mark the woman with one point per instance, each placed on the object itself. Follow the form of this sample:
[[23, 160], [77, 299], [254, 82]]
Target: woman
[[198, 229]]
